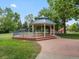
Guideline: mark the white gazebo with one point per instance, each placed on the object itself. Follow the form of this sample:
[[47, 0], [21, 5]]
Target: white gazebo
[[42, 29], [44, 23]]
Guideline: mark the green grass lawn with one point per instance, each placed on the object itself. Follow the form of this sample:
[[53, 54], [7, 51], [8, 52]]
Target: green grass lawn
[[70, 36], [17, 49], [5, 36]]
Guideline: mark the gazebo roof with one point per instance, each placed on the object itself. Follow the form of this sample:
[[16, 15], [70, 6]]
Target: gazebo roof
[[43, 20]]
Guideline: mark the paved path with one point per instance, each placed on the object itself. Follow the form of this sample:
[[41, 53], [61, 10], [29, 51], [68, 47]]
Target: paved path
[[59, 49]]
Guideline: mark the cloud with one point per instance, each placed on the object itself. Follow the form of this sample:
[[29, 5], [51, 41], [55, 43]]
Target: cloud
[[13, 5]]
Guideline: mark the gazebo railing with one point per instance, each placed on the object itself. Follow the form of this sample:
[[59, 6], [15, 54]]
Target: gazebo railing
[[29, 33]]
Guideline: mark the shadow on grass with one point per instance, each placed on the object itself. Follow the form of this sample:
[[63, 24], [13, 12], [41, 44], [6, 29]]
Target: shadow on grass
[[69, 36]]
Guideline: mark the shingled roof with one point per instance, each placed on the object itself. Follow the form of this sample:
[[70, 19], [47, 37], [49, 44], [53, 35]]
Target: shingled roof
[[42, 20]]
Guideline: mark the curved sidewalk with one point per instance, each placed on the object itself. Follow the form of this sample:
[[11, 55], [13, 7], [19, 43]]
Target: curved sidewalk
[[59, 49]]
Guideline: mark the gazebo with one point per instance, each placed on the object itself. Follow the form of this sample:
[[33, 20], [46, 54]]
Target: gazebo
[[42, 29], [44, 24]]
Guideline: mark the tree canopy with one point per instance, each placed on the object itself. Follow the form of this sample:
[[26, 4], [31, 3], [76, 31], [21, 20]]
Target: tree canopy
[[62, 10], [9, 20], [28, 19], [73, 27]]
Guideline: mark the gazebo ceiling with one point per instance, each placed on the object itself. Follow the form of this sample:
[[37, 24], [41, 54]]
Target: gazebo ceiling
[[42, 20]]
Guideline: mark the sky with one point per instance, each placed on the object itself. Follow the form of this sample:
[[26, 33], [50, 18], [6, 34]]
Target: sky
[[24, 7], [70, 22]]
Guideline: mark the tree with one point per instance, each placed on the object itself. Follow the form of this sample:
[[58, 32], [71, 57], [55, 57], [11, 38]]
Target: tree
[[64, 10], [73, 27], [1, 20], [45, 12], [1, 11], [17, 21], [52, 16], [9, 20], [25, 25], [76, 2], [19, 25], [29, 18]]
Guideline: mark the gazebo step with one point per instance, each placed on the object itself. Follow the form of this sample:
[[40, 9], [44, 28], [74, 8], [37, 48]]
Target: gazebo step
[[47, 38], [38, 38]]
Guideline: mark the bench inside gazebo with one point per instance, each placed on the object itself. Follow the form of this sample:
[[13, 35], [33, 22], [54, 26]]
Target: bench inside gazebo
[[42, 29]]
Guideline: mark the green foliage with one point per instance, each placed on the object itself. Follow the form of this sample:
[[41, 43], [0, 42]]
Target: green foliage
[[19, 25], [45, 12], [73, 27], [9, 20], [61, 10], [25, 25], [64, 9], [76, 2], [48, 13], [1, 11], [29, 18]]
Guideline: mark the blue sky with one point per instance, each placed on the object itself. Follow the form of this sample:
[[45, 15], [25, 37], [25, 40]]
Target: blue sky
[[70, 22], [24, 7]]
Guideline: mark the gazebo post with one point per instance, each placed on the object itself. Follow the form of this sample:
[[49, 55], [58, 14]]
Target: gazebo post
[[50, 30], [44, 30], [54, 29], [33, 29], [41, 28]]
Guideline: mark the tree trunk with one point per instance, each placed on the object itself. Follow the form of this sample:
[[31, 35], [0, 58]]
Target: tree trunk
[[64, 24]]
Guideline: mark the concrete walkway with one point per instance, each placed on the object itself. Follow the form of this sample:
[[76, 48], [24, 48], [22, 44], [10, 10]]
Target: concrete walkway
[[59, 49]]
